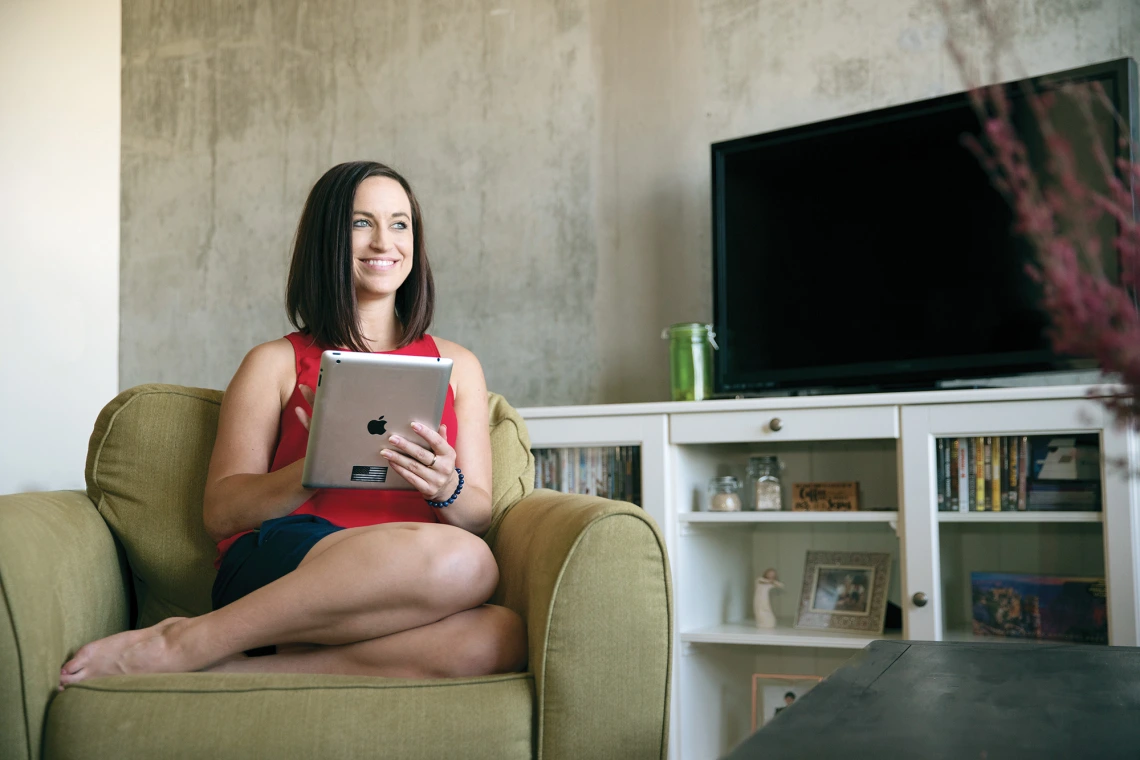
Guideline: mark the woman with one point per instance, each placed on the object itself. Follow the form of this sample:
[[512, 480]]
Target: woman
[[389, 583]]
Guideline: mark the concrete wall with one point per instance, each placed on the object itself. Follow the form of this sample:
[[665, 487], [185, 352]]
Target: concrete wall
[[560, 149], [59, 234]]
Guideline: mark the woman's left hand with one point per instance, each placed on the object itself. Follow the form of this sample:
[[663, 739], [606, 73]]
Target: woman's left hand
[[431, 471]]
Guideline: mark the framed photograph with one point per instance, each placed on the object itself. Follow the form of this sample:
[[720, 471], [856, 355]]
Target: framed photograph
[[772, 693], [845, 591]]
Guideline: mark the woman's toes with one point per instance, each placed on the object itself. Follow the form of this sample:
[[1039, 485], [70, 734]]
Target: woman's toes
[[72, 676]]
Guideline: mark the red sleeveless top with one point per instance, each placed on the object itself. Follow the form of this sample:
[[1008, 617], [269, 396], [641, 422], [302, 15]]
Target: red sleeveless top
[[347, 508]]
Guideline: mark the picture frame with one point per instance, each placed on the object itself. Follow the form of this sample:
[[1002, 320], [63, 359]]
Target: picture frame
[[844, 591], [770, 694]]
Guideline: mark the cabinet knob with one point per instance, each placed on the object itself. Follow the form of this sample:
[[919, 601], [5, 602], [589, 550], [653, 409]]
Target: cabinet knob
[[919, 599], [776, 424]]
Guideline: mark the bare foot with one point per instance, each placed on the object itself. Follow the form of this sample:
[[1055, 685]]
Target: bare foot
[[148, 650]]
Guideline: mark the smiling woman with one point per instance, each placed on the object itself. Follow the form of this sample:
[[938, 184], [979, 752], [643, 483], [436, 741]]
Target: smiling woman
[[420, 575], [357, 217]]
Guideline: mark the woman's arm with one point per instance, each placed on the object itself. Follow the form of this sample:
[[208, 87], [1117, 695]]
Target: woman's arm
[[472, 452], [241, 493]]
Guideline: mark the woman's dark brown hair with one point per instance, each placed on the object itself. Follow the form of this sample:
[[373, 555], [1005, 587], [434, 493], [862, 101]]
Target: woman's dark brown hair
[[320, 297]]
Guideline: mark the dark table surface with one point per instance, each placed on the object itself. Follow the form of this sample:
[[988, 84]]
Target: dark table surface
[[906, 699]]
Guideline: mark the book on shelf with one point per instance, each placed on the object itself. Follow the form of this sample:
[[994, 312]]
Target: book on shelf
[[952, 466], [940, 447], [1072, 496], [961, 498], [980, 473], [612, 472], [980, 463], [1052, 607], [1026, 473]]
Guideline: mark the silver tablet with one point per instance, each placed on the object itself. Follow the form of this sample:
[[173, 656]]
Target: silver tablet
[[361, 400]]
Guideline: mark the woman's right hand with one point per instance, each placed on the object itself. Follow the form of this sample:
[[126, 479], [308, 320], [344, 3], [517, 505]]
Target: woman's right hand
[[241, 491], [307, 394], [306, 419]]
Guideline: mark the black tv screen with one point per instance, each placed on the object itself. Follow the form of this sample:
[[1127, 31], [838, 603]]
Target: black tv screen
[[873, 252]]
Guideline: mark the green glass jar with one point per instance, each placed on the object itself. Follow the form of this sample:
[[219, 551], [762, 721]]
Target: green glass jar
[[690, 360]]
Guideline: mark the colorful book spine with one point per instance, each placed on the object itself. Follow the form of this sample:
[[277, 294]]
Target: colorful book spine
[[1022, 471], [995, 474], [952, 455], [981, 466], [940, 470], [963, 445], [947, 480], [1011, 472], [973, 445]]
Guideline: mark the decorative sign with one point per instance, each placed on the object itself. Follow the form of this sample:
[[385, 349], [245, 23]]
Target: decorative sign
[[825, 497]]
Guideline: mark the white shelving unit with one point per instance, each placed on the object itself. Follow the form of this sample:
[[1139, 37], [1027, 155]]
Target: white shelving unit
[[886, 442]]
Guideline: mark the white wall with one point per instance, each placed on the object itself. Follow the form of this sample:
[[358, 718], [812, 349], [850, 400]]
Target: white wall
[[59, 234]]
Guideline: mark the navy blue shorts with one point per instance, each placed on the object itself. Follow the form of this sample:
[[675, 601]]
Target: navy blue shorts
[[261, 557]]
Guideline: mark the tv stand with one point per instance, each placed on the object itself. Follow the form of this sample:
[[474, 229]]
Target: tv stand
[[887, 442]]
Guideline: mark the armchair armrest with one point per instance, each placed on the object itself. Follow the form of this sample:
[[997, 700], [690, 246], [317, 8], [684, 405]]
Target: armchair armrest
[[591, 580], [62, 586]]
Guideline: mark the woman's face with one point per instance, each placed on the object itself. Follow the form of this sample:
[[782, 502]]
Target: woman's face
[[381, 237]]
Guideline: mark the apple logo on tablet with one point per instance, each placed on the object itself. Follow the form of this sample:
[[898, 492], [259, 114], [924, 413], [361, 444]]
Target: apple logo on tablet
[[376, 427]]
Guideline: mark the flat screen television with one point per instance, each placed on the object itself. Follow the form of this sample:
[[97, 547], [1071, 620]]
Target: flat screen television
[[872, 252]]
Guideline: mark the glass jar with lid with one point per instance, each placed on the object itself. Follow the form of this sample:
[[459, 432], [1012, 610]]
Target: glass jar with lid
[[690, 360], [764, 483], [724, 495]]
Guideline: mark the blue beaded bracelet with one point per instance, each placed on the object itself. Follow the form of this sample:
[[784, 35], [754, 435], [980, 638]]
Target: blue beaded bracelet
[[454, 496]]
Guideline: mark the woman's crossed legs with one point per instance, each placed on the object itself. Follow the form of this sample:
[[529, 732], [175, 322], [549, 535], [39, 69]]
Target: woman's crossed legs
[[397, 599]]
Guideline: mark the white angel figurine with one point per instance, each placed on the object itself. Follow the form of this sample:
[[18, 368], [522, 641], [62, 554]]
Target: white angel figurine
[[761, 604]]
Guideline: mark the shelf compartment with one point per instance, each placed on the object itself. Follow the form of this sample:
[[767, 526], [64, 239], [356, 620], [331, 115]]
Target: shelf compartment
[[783, 635], [718, 565], [1033, 548], [1012, 471], [871, 463], [787, 516], [1020, 517]]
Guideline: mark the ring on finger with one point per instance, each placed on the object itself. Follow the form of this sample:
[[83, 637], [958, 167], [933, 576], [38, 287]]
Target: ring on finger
[[434, 457]]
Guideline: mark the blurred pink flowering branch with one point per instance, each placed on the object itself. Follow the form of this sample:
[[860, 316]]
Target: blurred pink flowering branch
[[1063, 213]]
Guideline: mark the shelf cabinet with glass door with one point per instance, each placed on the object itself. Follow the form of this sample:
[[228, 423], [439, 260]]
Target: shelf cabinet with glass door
[[572, 448], [1052, 560], [612, 472], [720, 555]]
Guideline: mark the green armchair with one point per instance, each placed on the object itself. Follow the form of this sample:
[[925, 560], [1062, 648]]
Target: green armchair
[[589, 576]]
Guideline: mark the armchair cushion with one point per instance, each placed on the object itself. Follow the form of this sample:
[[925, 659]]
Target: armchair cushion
[[512, 477], [146, 473], [196, 715]]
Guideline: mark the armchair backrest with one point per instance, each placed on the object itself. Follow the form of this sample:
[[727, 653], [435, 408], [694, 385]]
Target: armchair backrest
[[146, 473]]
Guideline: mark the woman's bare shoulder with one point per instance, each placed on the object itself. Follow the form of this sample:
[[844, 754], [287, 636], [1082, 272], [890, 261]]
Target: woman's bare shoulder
[[273, 355], [270, 363], [468, 370], [449, 349]]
